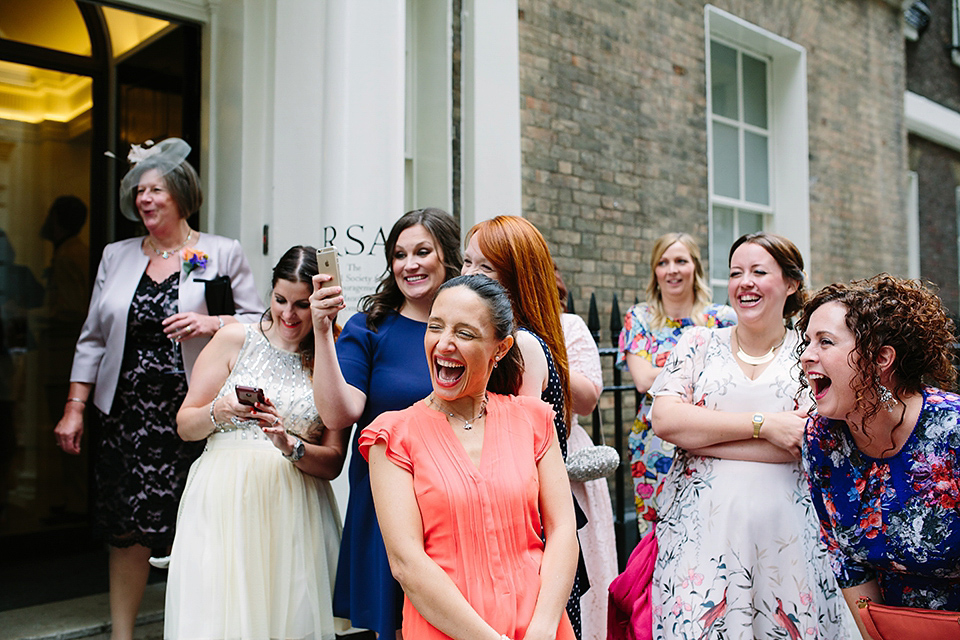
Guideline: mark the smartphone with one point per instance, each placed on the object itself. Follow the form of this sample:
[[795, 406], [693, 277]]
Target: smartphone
[[250, 395], [327, 263]]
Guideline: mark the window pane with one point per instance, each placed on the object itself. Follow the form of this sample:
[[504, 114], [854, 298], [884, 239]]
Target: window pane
[[722, 237], [750, 222], [726, 161], [720, 295], [723, 80], [61, 26], [754, 91], [756, 168]]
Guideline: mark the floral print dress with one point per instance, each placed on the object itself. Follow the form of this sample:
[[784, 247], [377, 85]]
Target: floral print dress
[[740, 554], [897, 519], [651, 457]]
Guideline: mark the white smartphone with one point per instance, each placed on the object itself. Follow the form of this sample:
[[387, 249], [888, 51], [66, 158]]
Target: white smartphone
[[327, 263]]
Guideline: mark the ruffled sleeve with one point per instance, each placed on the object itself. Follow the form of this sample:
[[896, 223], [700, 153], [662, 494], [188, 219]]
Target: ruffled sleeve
[[526, 415], [391, 429], [685, 363], [582, 353], [636, 336]]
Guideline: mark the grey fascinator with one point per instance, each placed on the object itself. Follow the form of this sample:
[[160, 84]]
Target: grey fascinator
[[162, 157]]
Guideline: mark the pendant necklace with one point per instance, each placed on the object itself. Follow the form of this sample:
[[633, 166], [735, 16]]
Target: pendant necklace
[[757, 360], [166, 253], [467, 424]]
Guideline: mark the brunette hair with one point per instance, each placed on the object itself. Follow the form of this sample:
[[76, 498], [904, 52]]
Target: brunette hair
[[298, 264], [701, 292], [521, 258], [181, 180], [888, 311], [788, 257], [508, 373], [446, 235]]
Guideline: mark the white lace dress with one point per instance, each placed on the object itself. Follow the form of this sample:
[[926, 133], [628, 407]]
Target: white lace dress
[[256, 547], [597, 538], [740, 555]]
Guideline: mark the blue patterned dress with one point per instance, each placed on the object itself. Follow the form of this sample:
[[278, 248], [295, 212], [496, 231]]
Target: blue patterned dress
[[651, 457], [895, 519]]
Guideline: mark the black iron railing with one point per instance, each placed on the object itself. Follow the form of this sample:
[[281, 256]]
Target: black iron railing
[[608, 424]]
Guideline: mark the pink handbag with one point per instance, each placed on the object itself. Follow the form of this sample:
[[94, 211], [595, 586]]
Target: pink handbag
[[884, 622], [630, 612]]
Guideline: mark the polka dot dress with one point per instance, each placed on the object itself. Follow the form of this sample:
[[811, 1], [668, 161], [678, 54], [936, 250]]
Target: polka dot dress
[[553, 395]]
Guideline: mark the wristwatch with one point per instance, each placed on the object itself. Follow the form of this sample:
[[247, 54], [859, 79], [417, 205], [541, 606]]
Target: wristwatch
[[757, 423], [298, 450]]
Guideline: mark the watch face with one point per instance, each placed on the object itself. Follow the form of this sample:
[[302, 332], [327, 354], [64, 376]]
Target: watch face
[[758, 418]]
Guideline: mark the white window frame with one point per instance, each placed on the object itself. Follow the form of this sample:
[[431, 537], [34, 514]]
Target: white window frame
[[913, 225], [789, 210], [428, 113], [955, 32]]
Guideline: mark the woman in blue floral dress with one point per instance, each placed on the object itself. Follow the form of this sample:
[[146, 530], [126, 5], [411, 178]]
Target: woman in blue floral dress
[[677, 298], [881, 452]]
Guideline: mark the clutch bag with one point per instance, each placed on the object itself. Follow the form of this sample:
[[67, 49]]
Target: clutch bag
[[218, 294], [592, 463], [884, 622]]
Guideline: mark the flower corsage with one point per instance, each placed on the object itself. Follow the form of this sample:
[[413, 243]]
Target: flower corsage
[[193, 259]]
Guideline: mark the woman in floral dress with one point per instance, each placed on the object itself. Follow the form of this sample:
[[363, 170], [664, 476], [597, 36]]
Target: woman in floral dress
[[881, 451], [677, 298], [739, 553]]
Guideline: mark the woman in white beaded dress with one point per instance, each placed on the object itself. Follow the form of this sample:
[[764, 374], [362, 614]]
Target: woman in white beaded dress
[[258, 532]]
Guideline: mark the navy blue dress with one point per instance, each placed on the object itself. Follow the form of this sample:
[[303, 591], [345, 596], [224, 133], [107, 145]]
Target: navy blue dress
[[390, 367]]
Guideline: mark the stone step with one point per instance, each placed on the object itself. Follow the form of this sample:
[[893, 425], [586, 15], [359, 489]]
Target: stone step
[[87, 617]]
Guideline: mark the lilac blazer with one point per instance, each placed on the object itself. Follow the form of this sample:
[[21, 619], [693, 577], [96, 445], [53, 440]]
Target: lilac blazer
[[99, 351]]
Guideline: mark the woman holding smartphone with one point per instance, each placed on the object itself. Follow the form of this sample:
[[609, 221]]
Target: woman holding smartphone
[[379, 365], [258, 532]]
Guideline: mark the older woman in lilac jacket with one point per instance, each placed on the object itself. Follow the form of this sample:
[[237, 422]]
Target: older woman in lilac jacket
[[147, 322]]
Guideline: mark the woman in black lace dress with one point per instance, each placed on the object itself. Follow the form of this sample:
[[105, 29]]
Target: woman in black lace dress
[[146, 324]]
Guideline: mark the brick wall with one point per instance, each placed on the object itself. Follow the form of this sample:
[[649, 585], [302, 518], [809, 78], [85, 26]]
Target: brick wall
[[938, 176], [613, 115]]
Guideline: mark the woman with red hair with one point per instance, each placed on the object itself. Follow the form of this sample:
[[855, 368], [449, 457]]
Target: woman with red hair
[[510, 250]]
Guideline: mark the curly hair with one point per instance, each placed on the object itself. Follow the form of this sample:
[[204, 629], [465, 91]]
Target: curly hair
[[446, 234], [521, 257], [786, 254], [701, 292], [888, 311]]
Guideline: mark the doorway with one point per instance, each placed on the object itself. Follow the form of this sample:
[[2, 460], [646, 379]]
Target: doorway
[[76, 79]]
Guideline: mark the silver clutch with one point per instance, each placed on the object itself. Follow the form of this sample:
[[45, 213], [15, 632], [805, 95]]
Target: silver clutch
[[592, 463]]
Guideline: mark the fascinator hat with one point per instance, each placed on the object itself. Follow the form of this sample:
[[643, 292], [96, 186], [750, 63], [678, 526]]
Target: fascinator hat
[[166, 157]]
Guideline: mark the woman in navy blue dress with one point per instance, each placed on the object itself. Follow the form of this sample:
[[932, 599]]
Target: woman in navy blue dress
[[377, 365], [881, 452]]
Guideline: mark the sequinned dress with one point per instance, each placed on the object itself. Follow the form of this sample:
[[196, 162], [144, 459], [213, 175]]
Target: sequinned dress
[[257, 539]]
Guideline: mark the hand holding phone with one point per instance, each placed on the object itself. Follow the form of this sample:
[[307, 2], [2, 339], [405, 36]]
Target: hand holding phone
[[250, 395], [328, 263]]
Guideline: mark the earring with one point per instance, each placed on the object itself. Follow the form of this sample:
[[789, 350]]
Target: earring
[[886, 398]]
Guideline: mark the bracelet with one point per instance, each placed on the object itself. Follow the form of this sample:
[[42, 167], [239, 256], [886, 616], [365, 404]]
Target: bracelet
[[212, 419], [80, 400], [220, 319]]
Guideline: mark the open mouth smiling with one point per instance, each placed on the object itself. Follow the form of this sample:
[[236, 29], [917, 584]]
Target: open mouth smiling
[[819, 383], [448, 371]]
